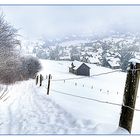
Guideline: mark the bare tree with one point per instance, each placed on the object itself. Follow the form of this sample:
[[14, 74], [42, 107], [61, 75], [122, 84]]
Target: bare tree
[[9, 59], [13, 67]]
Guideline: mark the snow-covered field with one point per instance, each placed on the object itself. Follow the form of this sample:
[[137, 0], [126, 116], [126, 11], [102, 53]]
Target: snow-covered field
[[27, 109]]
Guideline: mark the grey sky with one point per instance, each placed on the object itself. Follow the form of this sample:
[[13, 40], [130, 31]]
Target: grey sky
[[55, 21]]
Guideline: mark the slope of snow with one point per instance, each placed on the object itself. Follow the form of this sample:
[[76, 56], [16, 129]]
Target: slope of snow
[[26, 109], [29, 111], [107, 87]]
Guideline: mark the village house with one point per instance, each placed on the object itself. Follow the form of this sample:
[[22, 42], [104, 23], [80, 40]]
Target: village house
[[79, 68], [94, 60], [113, 63]]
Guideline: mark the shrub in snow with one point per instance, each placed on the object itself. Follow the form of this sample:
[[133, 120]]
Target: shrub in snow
[[30, 67], [19, 69]]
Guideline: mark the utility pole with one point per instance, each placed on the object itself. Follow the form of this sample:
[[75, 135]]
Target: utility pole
[[129, 98]]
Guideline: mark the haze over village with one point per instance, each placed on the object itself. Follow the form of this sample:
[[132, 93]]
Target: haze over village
[[69, 69]]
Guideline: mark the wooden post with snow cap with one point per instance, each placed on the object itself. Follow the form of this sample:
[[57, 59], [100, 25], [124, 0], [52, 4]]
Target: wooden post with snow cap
[[49, 80], [130, 94]]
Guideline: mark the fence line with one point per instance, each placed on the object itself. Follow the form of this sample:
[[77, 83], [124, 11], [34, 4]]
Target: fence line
[[96, 100], [91, 87], [133, 69], [86, 98], [131, 108], [91, 99], [82, 77]]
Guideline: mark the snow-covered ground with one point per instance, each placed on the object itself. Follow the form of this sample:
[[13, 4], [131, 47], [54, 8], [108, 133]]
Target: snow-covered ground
[[27, 109]]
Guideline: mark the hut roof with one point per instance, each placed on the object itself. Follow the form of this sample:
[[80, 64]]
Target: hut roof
[[77, 64]]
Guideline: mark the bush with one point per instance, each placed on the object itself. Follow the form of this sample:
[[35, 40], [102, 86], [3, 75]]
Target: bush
[[19, 69], [30, 67]]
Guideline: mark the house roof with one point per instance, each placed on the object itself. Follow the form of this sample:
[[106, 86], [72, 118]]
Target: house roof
[[114, 62], [77, 64], [94, 60]]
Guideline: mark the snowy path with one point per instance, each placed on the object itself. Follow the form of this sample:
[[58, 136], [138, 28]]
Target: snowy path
[[30, 111]]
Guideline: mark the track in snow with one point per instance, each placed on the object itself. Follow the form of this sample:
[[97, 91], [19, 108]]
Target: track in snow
[[28, 110]]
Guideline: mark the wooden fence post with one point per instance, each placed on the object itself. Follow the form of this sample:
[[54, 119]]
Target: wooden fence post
[[41, 79], [49, 80], [36, 79], [129, 98]]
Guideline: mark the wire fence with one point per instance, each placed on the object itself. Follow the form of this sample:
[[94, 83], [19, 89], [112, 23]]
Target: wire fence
[[87, 98], [92, 99], [82, 77], [82, 84]]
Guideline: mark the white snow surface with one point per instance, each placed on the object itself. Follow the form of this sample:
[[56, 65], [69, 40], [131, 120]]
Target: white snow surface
[[27, 109], [134, 61]]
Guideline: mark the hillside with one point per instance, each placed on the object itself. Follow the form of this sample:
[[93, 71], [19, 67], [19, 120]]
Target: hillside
[[107, 87], [26, 109]]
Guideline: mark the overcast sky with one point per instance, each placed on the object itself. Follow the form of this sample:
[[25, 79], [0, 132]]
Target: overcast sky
[[55, 21]]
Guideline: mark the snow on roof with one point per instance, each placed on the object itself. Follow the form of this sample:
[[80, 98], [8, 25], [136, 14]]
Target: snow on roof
[[117, 59], [113, 58], [114, 62], [94, 60], [77, 64]]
